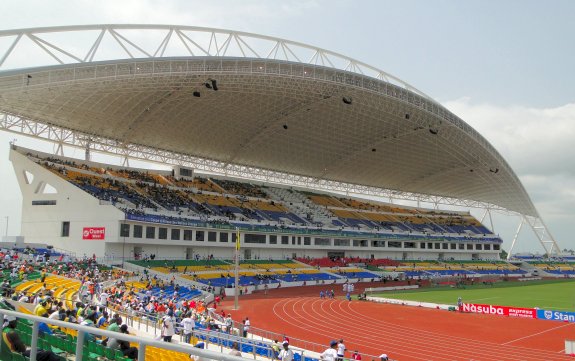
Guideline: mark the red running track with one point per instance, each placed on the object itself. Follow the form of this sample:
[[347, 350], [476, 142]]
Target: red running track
[[408, 333]]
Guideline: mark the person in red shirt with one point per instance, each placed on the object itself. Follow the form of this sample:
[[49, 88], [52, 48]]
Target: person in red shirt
[[356, 356]]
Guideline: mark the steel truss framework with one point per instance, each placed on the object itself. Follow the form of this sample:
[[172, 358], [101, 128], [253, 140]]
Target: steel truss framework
[[66, 137], [171, 40], [85, 46]]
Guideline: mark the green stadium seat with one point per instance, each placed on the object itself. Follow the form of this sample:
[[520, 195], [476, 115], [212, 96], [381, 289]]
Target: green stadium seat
[[5, 353], [18, 357], [109, 353]]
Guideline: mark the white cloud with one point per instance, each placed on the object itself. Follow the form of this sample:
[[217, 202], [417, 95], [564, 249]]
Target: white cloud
[[538, 144], [535, 141]]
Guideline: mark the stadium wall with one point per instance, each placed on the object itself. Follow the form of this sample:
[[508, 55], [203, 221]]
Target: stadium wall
[[45, 211]]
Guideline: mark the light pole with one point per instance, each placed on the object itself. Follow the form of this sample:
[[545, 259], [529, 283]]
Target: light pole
[[7, 218], [237, 270], [124, 242]]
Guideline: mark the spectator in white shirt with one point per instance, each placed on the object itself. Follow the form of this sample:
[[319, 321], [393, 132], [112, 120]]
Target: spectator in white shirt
[[286, 354], [168, 329], [188, 326], [331, 353], [341, 350], [104, 299]]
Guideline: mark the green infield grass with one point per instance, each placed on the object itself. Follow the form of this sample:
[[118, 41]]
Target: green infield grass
[[556, 295]]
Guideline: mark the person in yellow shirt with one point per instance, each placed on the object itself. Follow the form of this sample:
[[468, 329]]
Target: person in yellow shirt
[[41, 309]]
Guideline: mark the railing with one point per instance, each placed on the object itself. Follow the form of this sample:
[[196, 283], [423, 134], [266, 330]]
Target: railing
[[256, 337], [265, 335], [222, 340], [143, 343], [303, 230]]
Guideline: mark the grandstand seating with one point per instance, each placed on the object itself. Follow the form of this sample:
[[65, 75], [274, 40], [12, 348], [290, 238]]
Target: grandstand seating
[[146, 192], [354, 272], [417, 268], [555, 267], [364, 214], [344, 261], [252, 272]]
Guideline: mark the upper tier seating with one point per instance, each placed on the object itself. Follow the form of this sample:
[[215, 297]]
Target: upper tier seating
[[365, 214], [159, 194]]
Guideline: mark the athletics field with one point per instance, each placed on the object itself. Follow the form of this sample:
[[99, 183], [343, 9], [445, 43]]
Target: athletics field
[[551, 295]]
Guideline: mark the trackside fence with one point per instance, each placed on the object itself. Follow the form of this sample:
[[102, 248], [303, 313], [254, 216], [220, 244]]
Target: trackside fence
[[141, 342]]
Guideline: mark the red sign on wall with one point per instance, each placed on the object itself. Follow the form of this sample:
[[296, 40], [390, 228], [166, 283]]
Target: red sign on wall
[[499, 310], [94, 233]]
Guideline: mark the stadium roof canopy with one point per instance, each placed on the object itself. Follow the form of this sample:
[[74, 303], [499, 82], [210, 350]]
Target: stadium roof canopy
[[282, 110]]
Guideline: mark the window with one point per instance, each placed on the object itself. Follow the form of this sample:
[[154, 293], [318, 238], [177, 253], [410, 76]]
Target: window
[[273, 239], [408, 244], [212, 236], [188, 234], [378, 243], [360, 242], [285, 239], [487, 247], [422, 245], [452, 246], [200, 236], [469, 246], [478, 247], [43, 203], [437, 245], [223, 237], [307, 241], [461, 246], [339, 242], [162, 233], [65, 229], [234, 236], [150, 232], [299, 241], [124, 230], [186, 172], [444, 246], [137, 231], [255, 238], [175, 234], [321, 241], [496, 247], [394, 244]]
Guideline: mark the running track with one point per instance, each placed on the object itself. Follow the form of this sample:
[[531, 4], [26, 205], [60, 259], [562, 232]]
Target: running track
[[408, 333]]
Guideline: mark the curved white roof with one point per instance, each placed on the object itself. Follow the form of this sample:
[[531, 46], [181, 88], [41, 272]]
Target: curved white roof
[[350, 123]]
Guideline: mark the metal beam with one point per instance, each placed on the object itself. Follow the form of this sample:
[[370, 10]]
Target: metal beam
[[120, 33], [94, 143], [543, 235], [515, 238]]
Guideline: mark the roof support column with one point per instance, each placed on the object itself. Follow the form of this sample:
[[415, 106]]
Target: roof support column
[[542, 233], [515, 238]]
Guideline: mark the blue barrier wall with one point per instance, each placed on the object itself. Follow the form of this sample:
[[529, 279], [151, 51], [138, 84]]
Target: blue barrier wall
[[556, 315]]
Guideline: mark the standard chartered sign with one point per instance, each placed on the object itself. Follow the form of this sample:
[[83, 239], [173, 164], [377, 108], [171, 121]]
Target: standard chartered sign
[[556, 315]]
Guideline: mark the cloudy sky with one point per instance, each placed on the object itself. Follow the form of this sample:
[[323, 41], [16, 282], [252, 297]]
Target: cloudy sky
[[505, 67]]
